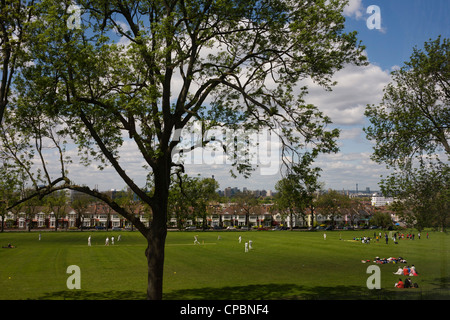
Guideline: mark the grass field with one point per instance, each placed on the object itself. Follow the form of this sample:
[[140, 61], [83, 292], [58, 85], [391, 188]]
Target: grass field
[[281, 265]]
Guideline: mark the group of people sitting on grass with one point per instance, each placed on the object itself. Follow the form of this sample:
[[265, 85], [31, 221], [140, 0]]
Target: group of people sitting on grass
[[406, 284], [362, 239], [407, 271], [389, 260], [386, 260]]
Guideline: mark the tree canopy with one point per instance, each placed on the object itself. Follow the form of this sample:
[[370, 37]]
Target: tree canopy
[[141, 72], [411, 132]]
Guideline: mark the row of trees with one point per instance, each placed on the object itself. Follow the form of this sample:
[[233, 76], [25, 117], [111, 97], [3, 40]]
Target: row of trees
[[196, 199]]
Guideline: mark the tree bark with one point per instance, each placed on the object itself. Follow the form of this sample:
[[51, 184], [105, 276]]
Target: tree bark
[[156, 240], [156, 235]]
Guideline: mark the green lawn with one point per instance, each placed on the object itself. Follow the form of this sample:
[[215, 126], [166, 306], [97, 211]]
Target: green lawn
[[281, 265]]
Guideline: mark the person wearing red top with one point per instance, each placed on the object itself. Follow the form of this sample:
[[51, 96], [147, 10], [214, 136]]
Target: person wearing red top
[[405, 271], [400, 284]]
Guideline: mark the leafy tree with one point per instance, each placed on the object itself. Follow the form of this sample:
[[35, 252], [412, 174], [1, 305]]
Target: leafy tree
[[411, 131], [236, 63], [9, 192], [291, 199], [423, 196], [14, 17], [332, 204], [192, 196], [248, 203], [56, 203], [413, 118], [356, 210], [381, 218], [296, 191], [81, 204], [178, 206]]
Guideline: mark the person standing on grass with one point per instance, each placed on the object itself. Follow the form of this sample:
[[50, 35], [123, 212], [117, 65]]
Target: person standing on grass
[[112, 240], [89, 241], [246, 247], [107, 241], [324, 236]]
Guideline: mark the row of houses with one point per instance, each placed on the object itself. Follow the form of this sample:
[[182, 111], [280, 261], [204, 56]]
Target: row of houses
[[220, 215]]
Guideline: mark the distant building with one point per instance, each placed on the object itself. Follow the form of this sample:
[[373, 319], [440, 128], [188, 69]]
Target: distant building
[[378, 200]]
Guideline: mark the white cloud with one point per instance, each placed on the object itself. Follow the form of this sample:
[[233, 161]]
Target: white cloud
[[345, 170], [357, 87], [354, 9]]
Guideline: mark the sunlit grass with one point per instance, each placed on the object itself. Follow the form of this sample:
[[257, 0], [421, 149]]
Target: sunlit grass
[[281, 265]]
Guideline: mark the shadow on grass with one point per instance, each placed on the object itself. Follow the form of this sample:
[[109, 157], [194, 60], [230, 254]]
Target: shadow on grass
[[296, 292], [260, 292], [88, 295]]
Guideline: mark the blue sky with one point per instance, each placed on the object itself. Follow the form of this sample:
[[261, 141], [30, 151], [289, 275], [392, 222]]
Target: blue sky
[[404, 24]]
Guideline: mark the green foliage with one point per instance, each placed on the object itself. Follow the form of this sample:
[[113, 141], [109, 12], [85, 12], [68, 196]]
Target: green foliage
[[101, 88], [332, 204], [140, 72], [381, 219], [423, 196], [412, 122], [191, 197], [411, 131]]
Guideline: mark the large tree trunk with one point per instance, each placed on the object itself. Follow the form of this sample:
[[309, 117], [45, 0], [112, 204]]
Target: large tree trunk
[[156, 240], [156, 236]]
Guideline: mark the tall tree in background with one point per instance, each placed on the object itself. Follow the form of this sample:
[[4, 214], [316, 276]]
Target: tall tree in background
[[81, 204], [9, 194], [224, 64], [14, 16], [290, 198], [411, 129], [56, 204], [191, 197], [333, 204], [247, 203], [413, 119], [296, 190], [200, 193]]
